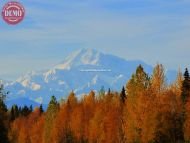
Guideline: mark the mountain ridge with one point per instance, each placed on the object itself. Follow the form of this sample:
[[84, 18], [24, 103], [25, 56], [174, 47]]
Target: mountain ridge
[[110, 71]]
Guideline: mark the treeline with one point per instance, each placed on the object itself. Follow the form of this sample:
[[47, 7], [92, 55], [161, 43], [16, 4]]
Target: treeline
[[147, 110]]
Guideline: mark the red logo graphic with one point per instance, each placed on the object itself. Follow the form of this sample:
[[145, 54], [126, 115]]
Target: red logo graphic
[[13, 13]]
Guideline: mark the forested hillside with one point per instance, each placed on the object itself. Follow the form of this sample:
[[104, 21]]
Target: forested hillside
[[146, 110]]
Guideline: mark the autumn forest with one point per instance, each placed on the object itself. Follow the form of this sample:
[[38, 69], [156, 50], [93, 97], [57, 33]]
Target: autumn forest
[[148, 109]]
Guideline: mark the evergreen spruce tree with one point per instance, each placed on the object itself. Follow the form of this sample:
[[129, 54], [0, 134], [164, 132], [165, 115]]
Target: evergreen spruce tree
[[123, 95], [109, 91], [3, 117], [3, 107], [52, 110], [185, 94], [185, 87], [41, 108], [31, 108], [14, 113], [25, 111]]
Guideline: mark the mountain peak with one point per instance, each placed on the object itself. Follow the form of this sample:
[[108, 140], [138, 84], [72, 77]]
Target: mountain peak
[[67, 76], [80, 57]]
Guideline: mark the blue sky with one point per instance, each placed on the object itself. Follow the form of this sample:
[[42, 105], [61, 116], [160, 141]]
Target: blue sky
[[150, 30]]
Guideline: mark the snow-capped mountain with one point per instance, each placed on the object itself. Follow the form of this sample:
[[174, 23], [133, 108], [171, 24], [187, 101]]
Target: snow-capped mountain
[[82, 71]]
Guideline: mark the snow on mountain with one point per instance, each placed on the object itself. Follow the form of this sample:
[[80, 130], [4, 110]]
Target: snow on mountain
[[21, 102], [80, 57], [82, 71]]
